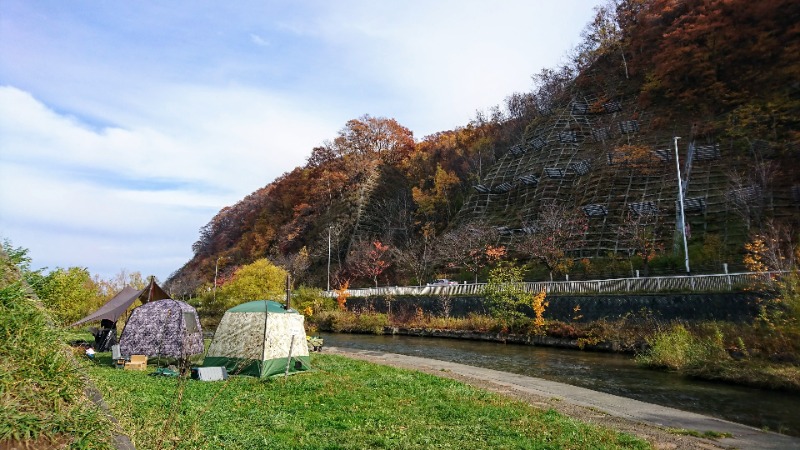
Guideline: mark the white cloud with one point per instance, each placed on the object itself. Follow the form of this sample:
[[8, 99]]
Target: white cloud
[[66, 182], [124, 127], [258, 40]]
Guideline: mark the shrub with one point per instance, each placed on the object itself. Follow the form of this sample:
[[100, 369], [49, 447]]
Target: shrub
[[306, 297], [670, 349], [679, 349], [340, 321]]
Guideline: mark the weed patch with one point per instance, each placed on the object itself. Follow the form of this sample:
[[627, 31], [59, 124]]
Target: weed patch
[[42, 400]]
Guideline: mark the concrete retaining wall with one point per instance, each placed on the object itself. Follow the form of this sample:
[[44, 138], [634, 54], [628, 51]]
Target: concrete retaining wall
[[734, 307]]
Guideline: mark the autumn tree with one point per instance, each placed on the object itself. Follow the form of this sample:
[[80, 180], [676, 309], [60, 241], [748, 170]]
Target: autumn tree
[[295, 264], [506, 295], [641, 235], [777, 248], [748, 190], [435, 202], [368, 137], [521, 105], [369, 260], [603, 36], [639, 159], [110, 287], [471, 247], [417, 255], [708, 55], [551, 85], [557, 231], [69, 293], [260, 280]]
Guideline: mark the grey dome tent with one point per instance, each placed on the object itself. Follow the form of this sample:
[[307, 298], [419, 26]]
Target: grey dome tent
[[167, 327], [259, 338]]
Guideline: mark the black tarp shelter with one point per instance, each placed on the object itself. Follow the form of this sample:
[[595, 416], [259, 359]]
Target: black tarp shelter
[[107, 315], [120, 303]]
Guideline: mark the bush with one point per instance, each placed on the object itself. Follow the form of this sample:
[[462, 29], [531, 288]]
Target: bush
[[309, 299], [679, 349], [348, 322]]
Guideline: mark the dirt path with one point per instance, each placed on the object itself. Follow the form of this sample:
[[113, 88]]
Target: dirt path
[[647, 421]]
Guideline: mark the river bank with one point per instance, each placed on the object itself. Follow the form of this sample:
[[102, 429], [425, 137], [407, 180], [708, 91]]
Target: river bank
[[613, 373], [662, 427], [739, 353]]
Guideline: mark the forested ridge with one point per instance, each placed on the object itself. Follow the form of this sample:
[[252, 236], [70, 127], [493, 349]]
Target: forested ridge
[[576, 176]]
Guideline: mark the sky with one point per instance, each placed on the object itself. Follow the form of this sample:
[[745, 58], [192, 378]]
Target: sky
[[126, 126]]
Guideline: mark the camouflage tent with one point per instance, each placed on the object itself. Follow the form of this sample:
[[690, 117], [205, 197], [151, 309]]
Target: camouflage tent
[[259, 338], [165, 327]]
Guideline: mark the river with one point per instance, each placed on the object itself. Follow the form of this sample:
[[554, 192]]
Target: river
[[615, 374]]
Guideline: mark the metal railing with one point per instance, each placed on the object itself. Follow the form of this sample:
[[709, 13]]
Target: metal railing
[[728, 282]]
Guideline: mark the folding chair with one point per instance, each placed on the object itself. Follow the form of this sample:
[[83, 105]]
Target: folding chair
[[116, 356]]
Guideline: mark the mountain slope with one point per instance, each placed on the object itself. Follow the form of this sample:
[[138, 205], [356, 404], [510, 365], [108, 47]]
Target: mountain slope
[[596, 136]]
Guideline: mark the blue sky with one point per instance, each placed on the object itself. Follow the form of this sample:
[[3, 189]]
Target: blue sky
[[126, 126]]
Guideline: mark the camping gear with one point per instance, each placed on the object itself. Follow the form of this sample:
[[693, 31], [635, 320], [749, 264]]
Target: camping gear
[[120, 303], [137, 362], [163, 328], [116, 357], [260, 338], [105, 336], [209, 373], [170, 371], [315, 343]]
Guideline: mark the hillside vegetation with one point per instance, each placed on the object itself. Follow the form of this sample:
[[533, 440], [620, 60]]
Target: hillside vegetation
[[590, 150], [42, 389]]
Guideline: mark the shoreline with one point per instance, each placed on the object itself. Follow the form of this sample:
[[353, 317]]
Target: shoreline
[[564, 343], [663, 427]]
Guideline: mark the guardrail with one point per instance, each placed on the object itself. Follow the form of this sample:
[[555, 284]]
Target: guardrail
[[728, 282]]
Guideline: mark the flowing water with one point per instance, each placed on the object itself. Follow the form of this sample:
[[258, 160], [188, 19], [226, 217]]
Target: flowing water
[[607, 372]]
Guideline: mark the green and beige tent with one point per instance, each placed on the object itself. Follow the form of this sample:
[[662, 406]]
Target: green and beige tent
[[259, 338]]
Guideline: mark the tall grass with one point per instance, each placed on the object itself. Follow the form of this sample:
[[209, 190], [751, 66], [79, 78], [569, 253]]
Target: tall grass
[[42, 400], [703, 350], [674, 349], [343, 321]]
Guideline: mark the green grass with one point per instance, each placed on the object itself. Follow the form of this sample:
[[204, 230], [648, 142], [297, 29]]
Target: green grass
[[342, 404], [695, 433], [42, 400]]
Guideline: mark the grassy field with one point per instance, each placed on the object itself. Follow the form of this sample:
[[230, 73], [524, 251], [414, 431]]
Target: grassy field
[[341, 404]]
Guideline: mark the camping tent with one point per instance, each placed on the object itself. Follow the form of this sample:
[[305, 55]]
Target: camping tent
[[166, 327], [123, 300], [259, 338]]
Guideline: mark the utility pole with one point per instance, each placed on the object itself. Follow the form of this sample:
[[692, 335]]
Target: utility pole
[[680, 200], [288, 292], [329, 258], [216, 271]]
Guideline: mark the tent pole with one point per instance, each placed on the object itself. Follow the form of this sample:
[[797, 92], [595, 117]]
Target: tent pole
[[289, 359], [264, 341]]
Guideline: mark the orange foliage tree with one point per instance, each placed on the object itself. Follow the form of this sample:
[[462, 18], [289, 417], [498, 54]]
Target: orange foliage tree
[[557, 230], [471, 247], [369, 259]]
